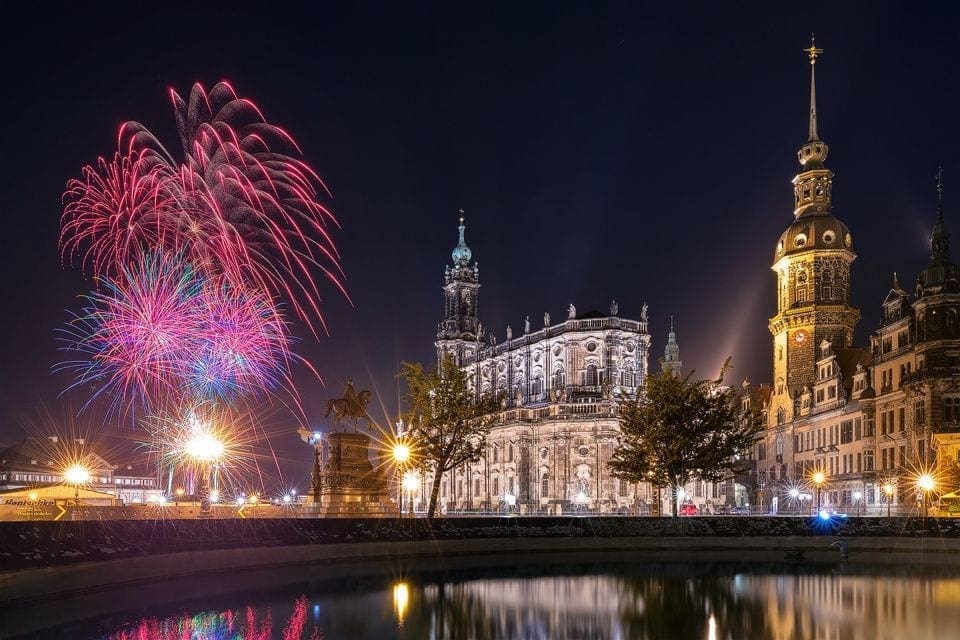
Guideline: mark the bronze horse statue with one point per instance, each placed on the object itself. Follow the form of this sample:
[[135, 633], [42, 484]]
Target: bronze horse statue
[[349, 407]]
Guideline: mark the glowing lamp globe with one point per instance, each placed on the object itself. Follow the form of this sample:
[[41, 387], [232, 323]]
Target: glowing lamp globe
[[204, 447], [401, 453], [926, 482], [411, 482], [794, 493], [819, 477], [76, 475]]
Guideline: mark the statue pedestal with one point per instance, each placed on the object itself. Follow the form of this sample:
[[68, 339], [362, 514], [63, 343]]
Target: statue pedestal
[[350, 486]]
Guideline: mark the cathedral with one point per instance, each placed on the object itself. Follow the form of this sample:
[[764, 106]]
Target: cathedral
[[559, 387], [870, 418]]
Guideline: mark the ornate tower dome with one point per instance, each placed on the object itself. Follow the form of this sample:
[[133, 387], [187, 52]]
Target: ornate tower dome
[[812, 262], [461, 253]]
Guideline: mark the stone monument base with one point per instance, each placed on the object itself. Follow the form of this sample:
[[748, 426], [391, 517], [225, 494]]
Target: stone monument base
[[349, 484]]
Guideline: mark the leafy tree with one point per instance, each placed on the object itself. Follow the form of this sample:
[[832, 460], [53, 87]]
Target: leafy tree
[[680, 429], [448, 423]]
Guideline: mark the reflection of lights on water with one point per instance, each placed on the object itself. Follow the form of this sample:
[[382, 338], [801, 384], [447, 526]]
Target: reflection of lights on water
[[401, 600], [712, 628]]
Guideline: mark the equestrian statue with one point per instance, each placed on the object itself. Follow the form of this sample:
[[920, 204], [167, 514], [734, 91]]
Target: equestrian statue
[[351, 405]]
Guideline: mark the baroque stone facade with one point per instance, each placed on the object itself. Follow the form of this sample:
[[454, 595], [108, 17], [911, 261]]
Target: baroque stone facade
[[868, 418], [559, 388]]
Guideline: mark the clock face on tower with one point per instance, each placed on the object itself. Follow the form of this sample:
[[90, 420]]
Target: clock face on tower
[[800, 336]]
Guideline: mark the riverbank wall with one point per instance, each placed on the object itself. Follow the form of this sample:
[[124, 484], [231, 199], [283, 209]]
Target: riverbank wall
[[32, 545]]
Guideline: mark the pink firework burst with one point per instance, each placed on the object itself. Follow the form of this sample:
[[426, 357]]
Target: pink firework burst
[[243, 345], [135, 333], [241, 204], [120, 208]]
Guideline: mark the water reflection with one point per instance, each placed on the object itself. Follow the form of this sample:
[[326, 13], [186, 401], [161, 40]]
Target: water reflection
[[636, 602]]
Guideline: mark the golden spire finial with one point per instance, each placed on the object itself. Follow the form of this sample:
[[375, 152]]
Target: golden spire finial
[[461, 215], [813, 52]]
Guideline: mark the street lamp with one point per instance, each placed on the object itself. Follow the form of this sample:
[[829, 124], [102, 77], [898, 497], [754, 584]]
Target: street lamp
[[856, 500], [205, 450], [819, 477], [76, 475], [888, 491], [401, 455], [926, 484], [410, 484]]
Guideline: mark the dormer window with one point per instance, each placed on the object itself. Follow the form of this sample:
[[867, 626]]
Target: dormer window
[[800, 240]]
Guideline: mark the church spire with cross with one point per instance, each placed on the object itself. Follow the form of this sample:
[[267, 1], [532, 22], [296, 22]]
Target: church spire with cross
[[671, 353], [812, 262], [459, 333]]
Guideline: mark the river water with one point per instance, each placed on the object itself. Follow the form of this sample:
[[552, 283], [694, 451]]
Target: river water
[[506, 598]]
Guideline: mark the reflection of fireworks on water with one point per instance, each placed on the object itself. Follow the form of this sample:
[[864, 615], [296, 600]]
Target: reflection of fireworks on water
[[245, 624]]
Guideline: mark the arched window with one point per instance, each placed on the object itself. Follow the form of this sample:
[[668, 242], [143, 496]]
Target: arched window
[[826, 280], [545, 486], [496, 454], [509, 453], [558, 379], [591, 377], [779, 445], [496, 486], [801, 287], [629, 377], [781, 416], [537, 386]]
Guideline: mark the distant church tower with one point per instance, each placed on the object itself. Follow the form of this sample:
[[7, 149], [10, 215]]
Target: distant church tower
[[458, 333], [671, 353], [812, 264]]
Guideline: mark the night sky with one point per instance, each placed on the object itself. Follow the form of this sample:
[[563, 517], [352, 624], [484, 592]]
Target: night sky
[[632, 152]]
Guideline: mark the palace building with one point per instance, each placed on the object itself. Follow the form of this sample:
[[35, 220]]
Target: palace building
[[559, 389], [869, 418]]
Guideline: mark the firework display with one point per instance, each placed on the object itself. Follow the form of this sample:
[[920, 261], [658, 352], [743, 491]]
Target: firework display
[[195, 259]]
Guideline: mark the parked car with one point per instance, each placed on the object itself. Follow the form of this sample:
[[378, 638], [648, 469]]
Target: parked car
[[737, 510], [688, 509]]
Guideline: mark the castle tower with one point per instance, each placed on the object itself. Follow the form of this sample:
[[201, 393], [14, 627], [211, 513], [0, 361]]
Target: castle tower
[[812, 263], [671, 353], [460, 332]]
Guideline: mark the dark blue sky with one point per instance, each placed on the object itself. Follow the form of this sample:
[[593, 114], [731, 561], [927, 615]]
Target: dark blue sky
[[601, 151]]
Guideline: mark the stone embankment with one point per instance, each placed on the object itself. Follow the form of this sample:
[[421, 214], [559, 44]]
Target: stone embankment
[[32, 545]]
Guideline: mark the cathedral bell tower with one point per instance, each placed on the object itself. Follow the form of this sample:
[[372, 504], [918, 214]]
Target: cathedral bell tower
[[460, 332], [812, 263]]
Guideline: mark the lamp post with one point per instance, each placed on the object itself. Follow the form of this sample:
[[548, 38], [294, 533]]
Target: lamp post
[[856, 500], [888, 491], [819, 478], [926, 484], [401, 455], [76, 475], [410, 484], [205, 450], [794, 496]]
